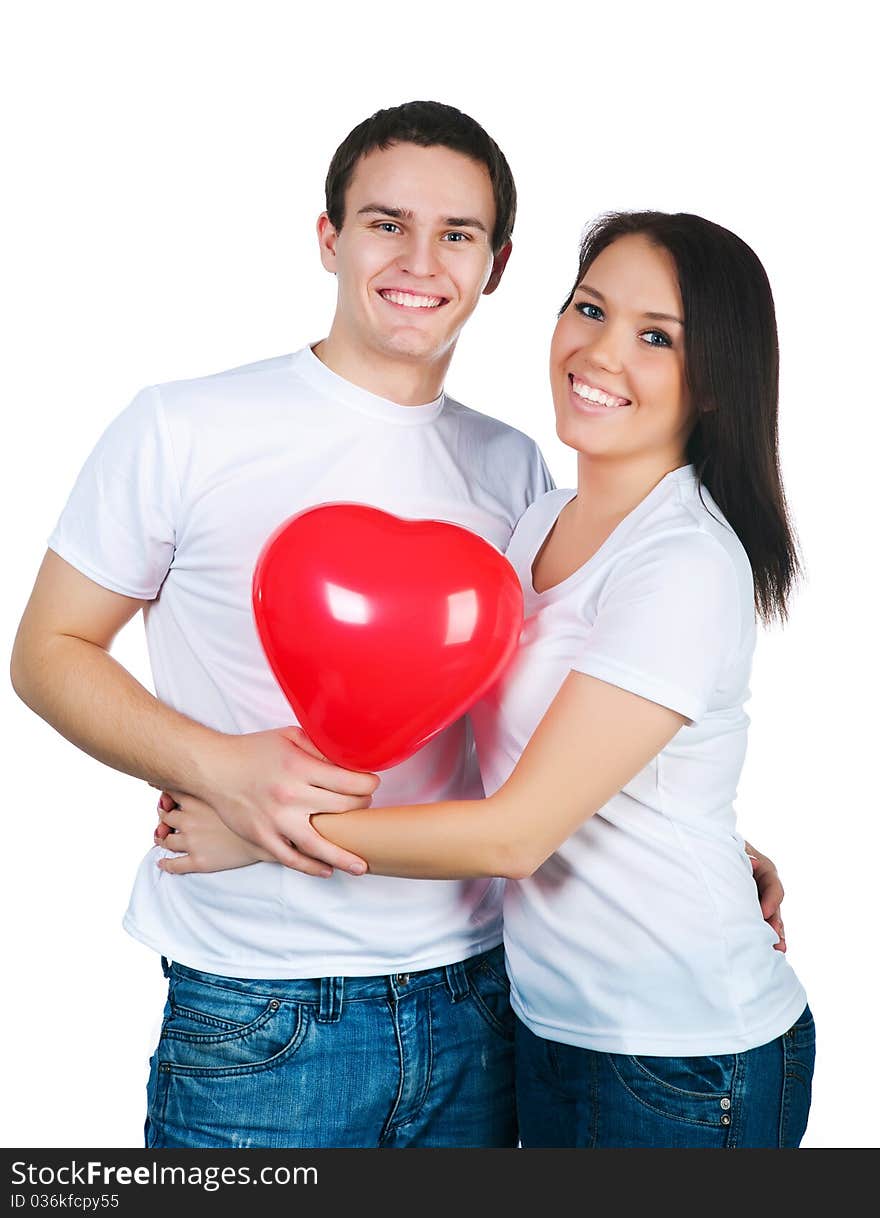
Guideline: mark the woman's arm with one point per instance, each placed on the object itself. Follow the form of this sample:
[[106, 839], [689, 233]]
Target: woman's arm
[[594, 738], [207, 845]]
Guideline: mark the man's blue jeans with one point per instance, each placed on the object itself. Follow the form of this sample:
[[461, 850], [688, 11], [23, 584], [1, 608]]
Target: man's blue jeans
[[577, 1097], [417, 1059]]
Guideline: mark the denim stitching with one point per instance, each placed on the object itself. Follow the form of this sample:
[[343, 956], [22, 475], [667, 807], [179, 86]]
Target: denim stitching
[[395, 1128], [795, 1073], [501, 978], [786, 1095], [471, 963], [494, 1023], [160, 1105], [794, 1076], [594, 1070], [211, 1020], [669, 1116], [271, 1063], [219, 1038], [702, 1095], [389, 1123], [737, 1099]]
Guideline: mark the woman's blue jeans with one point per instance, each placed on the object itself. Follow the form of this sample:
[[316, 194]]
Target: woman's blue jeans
[[413, 1059], [568, 1096]]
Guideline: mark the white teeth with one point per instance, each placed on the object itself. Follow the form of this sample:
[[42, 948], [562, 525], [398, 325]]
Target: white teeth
[[596, 395], [410, 301]]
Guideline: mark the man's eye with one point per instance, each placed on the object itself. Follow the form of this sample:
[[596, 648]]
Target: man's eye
[[456, 238], [387, 225], [656, 338], [586, 309]]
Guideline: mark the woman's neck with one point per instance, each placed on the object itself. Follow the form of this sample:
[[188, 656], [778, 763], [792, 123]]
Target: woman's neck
[[609, 489]]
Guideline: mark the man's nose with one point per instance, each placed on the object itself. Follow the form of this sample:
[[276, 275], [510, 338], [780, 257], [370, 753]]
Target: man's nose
[[419, 256]]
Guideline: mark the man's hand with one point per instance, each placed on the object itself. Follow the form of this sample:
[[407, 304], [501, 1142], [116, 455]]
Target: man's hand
[[770, 892], [264, 786]]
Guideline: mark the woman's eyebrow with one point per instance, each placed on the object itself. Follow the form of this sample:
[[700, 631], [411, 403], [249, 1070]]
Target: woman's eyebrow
[[584, 287], [664, 317]]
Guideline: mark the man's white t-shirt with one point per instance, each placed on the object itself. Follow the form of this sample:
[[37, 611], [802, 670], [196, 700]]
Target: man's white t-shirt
[[643, 933], [173, 506]]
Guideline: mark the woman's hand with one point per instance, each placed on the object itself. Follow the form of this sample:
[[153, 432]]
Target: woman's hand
[[265, 786], [770, 891], [206, 844]]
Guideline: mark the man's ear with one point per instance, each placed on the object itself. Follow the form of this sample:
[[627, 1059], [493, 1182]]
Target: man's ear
[[327, 238], [498, 266]]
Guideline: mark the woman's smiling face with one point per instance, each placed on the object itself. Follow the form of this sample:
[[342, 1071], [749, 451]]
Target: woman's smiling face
[[617, 366]]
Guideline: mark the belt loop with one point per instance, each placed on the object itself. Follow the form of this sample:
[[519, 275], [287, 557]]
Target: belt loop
[[457, 981], [330, 1007], [166, 967]]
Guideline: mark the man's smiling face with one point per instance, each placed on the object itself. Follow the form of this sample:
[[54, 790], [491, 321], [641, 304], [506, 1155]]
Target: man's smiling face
[[414, 253]]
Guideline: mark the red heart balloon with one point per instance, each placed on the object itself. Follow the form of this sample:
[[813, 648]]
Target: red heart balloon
[[382, 631]]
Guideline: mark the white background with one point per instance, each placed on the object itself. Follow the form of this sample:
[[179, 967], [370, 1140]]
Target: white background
[[164, 167]]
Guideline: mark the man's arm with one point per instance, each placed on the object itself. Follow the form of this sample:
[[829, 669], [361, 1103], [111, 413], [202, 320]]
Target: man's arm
[[262, 785]]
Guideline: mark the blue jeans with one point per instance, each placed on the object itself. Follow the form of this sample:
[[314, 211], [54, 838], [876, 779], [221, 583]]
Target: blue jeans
[[414, 1059], [568, 1096]]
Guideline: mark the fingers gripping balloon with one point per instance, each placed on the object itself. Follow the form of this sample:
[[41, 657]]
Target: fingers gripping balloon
[[382, 631]]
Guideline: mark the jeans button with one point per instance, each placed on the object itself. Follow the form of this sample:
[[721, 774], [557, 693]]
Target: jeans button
[[725, 1120], [725, 1103], [402, 978]]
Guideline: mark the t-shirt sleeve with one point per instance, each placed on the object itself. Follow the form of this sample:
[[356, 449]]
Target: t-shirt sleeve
[[118, 526], [668, 623], [542, 479]]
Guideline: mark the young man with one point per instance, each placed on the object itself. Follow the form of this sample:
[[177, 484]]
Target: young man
[[302, 1011]]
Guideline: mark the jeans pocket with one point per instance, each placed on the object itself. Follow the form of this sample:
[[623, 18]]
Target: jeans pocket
[[490, 995], [692, 1089], [799, 1054], [211, 1029], [198, 1009]]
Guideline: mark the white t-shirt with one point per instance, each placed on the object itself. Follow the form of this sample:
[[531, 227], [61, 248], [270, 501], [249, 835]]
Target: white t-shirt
[[643, 933], [173, 506]]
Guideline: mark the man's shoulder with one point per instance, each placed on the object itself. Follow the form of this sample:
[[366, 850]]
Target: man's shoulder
[[240, 376], [487, 426]]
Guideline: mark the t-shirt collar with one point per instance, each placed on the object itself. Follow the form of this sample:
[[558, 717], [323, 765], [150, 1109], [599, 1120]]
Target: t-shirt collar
[[328, 382]]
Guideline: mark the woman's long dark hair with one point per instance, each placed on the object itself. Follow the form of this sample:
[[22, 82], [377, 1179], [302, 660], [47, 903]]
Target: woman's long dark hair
[[732, 371]]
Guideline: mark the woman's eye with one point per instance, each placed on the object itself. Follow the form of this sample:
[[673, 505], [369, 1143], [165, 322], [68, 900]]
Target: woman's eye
[[586, 309], [656, 338]]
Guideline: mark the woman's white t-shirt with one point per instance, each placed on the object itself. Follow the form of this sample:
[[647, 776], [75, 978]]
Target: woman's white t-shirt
[[643, 932]]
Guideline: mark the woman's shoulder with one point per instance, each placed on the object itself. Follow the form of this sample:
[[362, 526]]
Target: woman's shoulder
[[689, 533]]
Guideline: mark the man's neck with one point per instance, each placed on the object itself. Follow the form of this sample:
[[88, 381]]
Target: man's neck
[[406, 382]]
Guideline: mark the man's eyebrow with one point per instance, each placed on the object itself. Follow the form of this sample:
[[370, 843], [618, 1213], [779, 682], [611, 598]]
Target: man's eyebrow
[[383, 209], [583, 287], [404, 213], [466, 222]]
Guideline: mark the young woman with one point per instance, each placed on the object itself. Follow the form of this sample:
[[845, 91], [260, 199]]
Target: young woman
[[652, 1009]]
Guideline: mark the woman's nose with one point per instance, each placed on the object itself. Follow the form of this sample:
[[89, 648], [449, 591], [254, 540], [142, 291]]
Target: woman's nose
[[606, 350]]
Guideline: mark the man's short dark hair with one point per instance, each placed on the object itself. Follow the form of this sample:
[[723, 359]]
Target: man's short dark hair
[[428, 124]]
